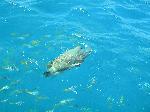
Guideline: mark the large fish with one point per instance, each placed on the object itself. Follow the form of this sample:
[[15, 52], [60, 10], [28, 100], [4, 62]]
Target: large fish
[[71, 58]]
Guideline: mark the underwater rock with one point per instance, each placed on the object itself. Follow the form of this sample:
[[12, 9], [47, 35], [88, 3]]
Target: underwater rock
[[71, 58]]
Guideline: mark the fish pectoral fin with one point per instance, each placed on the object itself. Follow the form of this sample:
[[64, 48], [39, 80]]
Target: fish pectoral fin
[[56, 73], [76, 64]]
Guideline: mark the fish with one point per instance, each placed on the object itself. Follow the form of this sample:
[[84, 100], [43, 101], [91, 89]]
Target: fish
[[69, 59]]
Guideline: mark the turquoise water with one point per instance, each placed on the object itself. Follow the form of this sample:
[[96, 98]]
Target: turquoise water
[[114, 78]]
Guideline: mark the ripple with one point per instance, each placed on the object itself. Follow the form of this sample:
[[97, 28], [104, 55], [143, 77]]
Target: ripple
[[39, 30], [144, 86], [26, 4]]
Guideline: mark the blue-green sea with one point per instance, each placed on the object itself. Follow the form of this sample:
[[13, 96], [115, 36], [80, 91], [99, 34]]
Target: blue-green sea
[[115, 77]]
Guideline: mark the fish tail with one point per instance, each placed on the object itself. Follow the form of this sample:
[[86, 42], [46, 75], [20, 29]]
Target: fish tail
[[46, 74]]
